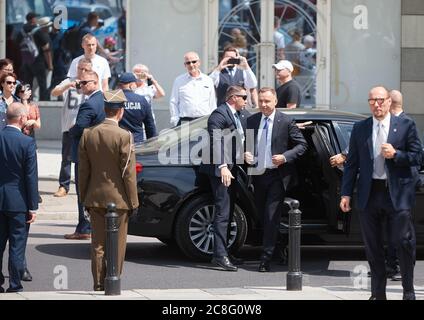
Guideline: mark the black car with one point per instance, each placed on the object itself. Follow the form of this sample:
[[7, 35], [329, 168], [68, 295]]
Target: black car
[[177, 205]]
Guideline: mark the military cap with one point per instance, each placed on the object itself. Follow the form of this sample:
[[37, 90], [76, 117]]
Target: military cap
[[114, 99]]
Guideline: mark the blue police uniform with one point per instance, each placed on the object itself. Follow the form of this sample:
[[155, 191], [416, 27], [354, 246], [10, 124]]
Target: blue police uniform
[[138, 112]]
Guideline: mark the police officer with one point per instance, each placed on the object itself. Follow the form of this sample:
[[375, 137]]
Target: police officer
[[137, 110]]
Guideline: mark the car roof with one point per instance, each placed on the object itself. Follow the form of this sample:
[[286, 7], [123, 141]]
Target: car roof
[[173, 135], [83, 5]]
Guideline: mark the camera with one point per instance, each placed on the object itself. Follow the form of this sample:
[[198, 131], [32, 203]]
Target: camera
[[78, 85], [234, 61], [100, 23]]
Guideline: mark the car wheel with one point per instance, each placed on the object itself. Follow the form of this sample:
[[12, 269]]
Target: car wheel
[[194, 229]]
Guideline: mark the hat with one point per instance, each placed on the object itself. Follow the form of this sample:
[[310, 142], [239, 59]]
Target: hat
[[31, 15], [127, 77], [44, 22], [114, 99], [308, 38], [283, 64]]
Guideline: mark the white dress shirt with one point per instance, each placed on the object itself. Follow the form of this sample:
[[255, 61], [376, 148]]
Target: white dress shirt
[[386, 127], [192, 97], [268, 152], [249, 78]]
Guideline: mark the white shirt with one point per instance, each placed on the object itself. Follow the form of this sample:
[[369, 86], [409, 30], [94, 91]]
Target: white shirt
[[192, 97], [147, 92], [268, 151], [279, 40], [16, 127], [249, 77], [72, 99], [386, 128], [99, 65]]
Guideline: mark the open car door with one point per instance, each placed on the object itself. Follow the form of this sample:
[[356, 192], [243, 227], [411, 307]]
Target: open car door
[[323, 140]]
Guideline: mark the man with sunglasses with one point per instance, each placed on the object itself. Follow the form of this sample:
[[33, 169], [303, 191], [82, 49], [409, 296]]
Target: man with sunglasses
[[193, 93], [384, 149], [277, 144], [72, 95], [90, 113], [226, 128]]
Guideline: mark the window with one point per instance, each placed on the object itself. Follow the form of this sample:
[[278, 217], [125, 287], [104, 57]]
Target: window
[[343, 131]]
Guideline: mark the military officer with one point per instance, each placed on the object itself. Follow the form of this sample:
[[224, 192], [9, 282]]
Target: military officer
[[107, 171]]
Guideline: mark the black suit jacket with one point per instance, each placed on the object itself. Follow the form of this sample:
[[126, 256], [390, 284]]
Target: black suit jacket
[[18, 173], [224, 140], [286, 139], [90, 113], [401, 174]]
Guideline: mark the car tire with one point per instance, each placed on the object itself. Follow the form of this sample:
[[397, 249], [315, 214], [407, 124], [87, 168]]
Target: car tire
[[194, 231]]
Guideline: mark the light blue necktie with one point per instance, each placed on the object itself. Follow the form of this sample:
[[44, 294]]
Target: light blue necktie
[[262, 144], [379, 159], [239, 126]]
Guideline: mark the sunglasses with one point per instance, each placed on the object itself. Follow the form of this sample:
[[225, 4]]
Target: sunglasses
[[379, 101], [83, 83], [190, 62], [244, 97], [11, 82]]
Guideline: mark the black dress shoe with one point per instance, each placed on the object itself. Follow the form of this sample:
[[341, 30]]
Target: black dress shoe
[[264, 266], [1, 290], [236, 261], [26, 276], [224, 263], [14, 290], [409, 296]]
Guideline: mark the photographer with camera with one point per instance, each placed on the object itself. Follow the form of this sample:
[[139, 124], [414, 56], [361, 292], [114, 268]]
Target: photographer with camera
[[70, 89], [234, 70], [148, 86]]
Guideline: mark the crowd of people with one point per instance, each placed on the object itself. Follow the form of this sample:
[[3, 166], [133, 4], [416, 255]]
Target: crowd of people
[[102, 126]]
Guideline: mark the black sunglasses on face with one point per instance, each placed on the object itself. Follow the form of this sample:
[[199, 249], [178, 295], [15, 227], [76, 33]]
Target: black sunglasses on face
[[83, 83], [190, 62], [11, 82], [244, 97]]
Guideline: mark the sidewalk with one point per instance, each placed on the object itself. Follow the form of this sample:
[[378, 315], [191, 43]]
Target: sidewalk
[[244, 293], [52, 208], [49, 158]]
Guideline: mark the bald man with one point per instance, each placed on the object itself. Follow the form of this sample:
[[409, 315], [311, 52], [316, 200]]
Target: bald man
[[193, 93], [385, 188], [396, 108]]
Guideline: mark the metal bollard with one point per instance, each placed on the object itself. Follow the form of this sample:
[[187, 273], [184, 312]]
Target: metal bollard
[[112, 280], [294, 275]]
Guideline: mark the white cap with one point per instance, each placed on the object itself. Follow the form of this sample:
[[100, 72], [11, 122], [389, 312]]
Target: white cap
[[283, 64]]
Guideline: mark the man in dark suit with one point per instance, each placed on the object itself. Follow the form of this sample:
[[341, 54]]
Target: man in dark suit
[[18, 193], [278, 142], [226, 127], [383, 149], [90, 113]]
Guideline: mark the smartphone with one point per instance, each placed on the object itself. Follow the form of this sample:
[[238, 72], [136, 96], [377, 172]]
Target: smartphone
[[149, 82], [234, 61]]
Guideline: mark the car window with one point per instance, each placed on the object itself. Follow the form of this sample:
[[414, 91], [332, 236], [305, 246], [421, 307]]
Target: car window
[[103, 13], [173, 136], [77, 13], [343, 131]]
